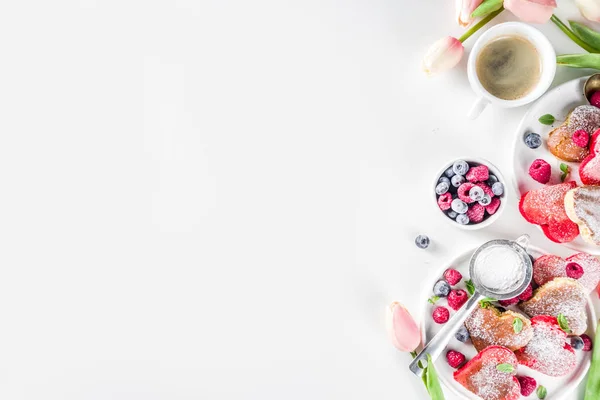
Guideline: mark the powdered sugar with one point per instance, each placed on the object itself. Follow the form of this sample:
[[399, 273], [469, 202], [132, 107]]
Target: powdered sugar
[[499, 269], [584, 117], [587, 209], [487, 327]]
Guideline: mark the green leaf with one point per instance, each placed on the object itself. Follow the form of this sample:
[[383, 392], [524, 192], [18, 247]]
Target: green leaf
[[517, 325], [433, 383], [542, 392], [486, 302], [487, 7], [586, 34], [591, 60], [470, 287], [433, 299], [547, 119], [508, 368], [565, 171], [592, 387], [563, 323], [420, 364]]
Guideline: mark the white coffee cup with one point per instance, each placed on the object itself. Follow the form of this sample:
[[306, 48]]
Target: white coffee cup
[[547, 60]]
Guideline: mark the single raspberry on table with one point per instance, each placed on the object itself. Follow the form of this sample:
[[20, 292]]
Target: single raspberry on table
[[445, 201], [527, 294], [493, 206], [528, 385], [541, 171], [476, 212], [574, 270], [455, 358], [452, 276], [595, 99], [441, 315], [478, 174], [581, 138], [463, 192], [457, 298], [587, 342]]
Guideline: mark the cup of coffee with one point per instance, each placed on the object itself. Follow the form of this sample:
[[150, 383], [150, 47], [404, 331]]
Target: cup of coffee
[[510, 65]]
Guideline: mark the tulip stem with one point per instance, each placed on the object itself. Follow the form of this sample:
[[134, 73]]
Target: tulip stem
[[480, 24], [572, 35]]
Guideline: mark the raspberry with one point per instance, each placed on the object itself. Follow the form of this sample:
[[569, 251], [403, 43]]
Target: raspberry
[[581, 138], [527, 294], [445, 201], [509, 302], [441, 315], [528, 385], [457, 298], [455, 358], [541, 171], [452, 276], [476, 213], [463, 192], [595, 99], [587, 342], [574, 270], [478, 174], [493, 206]]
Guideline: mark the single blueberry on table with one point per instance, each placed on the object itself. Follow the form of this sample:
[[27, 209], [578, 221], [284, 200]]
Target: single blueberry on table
[[441, 288], [462, 219], [422, 241], [498, 188], [462, 334], [442, 188], [461, 167], [458, 180], [533, 140]]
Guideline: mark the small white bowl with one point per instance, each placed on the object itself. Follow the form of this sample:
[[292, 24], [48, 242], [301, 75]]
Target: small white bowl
[[473, 161]]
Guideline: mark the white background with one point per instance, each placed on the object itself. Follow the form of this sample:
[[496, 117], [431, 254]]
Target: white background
[[217, 199]]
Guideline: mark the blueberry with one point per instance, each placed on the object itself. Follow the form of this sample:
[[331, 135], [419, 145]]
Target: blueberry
[[498, 188], [491, 180], [577, 343], [459, 206], [458, 180], [444, 179], [442, 188], [476, 193], [452, 214], [441, 288], [461, 167], [486, 200], [422, 241], [462, 219], [533, 140], [449, 173], [462, 335]]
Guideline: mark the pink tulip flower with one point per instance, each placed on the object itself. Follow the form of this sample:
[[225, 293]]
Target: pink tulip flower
[[464, 8], [590, 9], [442, 55], [532, 11], [402, 328]]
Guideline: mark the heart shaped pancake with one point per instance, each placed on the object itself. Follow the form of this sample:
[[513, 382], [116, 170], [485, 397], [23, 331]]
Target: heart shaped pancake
[[582, 206], [589, 170], [560, 141], [550, 266], [546, 207], [548, 351], [482, 377], [490, 327], [560, 296]]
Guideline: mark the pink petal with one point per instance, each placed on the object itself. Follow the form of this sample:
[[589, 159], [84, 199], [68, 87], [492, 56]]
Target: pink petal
[[533, 11], [442, 55], [464, 9], [402, 328], [590, 9]]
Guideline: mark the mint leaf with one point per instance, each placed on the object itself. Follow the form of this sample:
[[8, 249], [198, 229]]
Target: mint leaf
[[508, 368], [517, 325], [433, 383], [470, 287], [547, 119], [487, 7], [486, 302], [563, 323], [541, 392], [566, 170], [433, 299]]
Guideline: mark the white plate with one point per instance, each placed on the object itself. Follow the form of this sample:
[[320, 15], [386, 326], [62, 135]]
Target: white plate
[[558, 102], [558, 387]]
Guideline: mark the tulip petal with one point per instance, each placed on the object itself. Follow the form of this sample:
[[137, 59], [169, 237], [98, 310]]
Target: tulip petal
[[402, 328], [590, 9], [533, 11], [442, 55], [464, 8]]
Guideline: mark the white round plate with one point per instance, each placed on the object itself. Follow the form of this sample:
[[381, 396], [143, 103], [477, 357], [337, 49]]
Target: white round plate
[[558, 102], [558, 387]]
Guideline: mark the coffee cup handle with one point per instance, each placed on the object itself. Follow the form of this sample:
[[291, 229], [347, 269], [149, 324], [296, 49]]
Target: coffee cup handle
[[477, 107]]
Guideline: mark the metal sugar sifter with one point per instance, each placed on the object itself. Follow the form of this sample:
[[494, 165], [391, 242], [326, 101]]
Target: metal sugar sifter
[[479, 266]]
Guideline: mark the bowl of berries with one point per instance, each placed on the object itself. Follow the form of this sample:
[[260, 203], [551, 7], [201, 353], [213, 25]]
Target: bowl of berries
[[470, 193]]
